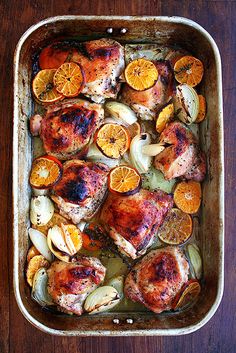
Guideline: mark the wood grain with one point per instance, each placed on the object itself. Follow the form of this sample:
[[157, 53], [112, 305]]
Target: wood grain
[[16, 334]]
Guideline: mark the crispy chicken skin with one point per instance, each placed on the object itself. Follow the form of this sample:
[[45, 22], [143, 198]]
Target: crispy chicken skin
[[146, 103], [157, 278], [68, 127], [81, 190], [103, 62], [182, 156], [70, 283], [132, 221]]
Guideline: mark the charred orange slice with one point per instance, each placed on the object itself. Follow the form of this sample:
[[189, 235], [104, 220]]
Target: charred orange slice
[[164, 117], [44, 88], [91, 244], [56, 220], [177, 227], [188, 295], [91, 235], [113, 140], [32, 252], [124, 180], [134, 129], [202, 109], [69, 79], [189, 70], [46, 171], [141, 74], [187, 196], [34, 264]]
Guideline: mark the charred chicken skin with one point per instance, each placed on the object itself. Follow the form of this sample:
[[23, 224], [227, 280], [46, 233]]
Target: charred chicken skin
[[67, 127], [147, 103], [81, 190], [132, 221], [70, 283], [157, 278], [182, 156]]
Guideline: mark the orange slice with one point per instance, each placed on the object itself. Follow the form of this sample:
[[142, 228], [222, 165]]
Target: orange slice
[[189, 293], [189, 70], [72, 234], [91, 235], [124, 180], [32, 252], [44, 88], [177, 227], [56, 220], [164, 117], [69, 79], [187, 196], [141, 74], [52, 56], [134, 129], [34, 264], [202, 109], [46, 171], [113, 140]]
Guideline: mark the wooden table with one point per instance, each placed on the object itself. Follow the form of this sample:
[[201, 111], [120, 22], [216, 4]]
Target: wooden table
[[16, 334]]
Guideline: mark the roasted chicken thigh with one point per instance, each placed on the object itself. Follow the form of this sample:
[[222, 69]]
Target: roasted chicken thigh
[[182, 156], [157, 278], [81, 190], [132, 221], [146, 103], [70, 283], [67, 127], [103, 62]]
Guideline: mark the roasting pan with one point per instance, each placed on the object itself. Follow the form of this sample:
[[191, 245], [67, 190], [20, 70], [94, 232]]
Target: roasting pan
[[163, 31]]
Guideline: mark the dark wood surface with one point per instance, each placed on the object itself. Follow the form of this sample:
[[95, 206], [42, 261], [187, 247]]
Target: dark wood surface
[[16, 334]]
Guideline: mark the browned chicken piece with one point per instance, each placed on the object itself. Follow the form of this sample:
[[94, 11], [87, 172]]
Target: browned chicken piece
[[132, 221], [103, 62], [67, 127], [157, 278], [147, 103], [70, 283], [81, 190], [198, 170], [182, 156]]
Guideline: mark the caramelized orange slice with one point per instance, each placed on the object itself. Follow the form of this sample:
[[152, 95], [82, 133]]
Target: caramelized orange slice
[[34, 264], [46, 171], [44, 88], [188, 295], [69, 79], [56, 220], [52, 56], [141, 74], [177, 227], [164, 117], [187, 196], [202, 109], [124, 180], [189, 70], [32, 252], [91, 235], [113, 140]]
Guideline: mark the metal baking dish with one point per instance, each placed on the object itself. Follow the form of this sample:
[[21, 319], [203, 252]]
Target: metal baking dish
[[163, 31]]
